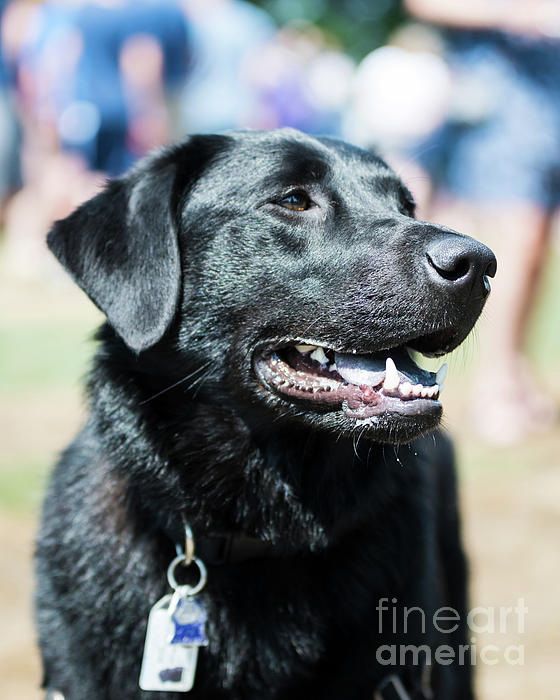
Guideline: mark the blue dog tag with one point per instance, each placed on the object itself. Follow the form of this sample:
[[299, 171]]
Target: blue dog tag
[[189, 619]]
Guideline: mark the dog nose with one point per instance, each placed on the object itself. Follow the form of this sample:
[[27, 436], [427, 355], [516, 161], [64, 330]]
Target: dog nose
[[459, 262]]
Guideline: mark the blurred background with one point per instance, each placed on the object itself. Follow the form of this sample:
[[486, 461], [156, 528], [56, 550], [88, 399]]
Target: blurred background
[[463, 99]]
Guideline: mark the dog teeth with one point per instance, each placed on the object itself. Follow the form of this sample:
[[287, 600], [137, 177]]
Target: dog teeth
[[392, 385], [441, 374], [319, 356], [392, 379], [405, 389], [305, 348]]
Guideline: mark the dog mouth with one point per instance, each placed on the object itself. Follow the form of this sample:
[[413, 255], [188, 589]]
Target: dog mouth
[[363, 386]]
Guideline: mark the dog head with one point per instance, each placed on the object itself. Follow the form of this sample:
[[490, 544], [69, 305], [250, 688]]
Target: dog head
[[290, 269]]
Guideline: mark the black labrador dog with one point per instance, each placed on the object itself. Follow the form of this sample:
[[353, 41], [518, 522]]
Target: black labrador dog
[[254, 382]]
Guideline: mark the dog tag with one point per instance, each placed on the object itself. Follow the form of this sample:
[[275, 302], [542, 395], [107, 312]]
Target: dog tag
[[189, 620], [169, 664]]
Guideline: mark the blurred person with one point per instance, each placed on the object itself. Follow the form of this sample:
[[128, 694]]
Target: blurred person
[[9, 128], [227, 36], [93, 79], [393, 120], [94, 66], [303, 82], [246, 73], [496, 168]]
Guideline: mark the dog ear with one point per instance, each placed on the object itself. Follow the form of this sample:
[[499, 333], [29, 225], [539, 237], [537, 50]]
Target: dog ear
[[121, 247]]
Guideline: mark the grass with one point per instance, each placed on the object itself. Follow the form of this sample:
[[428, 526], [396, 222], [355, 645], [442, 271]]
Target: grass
[[22, 483], [45, 348], [43, 355]]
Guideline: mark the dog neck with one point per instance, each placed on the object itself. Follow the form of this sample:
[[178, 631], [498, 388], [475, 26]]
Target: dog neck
[[209, 466]]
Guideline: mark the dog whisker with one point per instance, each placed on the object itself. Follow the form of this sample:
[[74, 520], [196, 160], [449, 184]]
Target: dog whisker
[[313, 323], [200, 381], [175, 384]]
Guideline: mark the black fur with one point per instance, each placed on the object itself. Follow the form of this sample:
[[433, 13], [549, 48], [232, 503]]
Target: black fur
[[197, 266]]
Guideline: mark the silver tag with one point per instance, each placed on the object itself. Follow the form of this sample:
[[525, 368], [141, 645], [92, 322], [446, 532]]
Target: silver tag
[[166, 666]]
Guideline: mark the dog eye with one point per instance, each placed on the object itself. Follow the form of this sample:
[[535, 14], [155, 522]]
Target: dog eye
[[296, 201]]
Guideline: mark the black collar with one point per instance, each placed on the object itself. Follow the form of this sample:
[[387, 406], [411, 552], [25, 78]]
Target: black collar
[[231, 548], [234, 548]]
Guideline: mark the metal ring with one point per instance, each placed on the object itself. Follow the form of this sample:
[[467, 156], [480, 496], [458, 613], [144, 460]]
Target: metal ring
[[189, 544], [189, 590]]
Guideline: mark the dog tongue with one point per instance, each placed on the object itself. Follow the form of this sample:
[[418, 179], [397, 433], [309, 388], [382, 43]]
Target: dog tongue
[[369, 370], [361, 369]]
